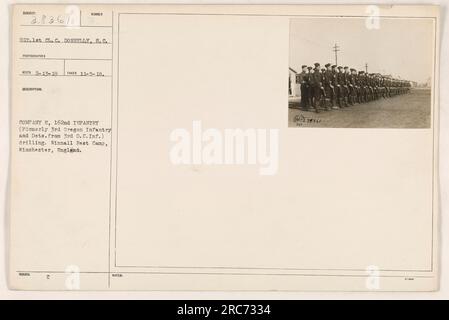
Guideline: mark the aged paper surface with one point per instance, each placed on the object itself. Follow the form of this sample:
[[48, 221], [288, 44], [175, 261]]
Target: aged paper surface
[[179, 148]]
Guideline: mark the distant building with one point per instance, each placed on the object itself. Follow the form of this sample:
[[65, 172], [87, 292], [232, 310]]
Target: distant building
[[294, 88], [426, 84]]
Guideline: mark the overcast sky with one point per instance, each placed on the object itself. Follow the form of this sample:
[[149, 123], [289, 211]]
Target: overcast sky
[[400, 47]]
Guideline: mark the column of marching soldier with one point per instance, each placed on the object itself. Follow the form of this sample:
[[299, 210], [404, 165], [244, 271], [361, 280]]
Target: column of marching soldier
[[339, 87]]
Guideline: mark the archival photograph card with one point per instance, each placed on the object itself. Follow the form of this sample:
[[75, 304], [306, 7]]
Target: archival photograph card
[[224, 147]]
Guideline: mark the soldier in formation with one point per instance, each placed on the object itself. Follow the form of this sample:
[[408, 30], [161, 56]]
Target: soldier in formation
[[336, 87]]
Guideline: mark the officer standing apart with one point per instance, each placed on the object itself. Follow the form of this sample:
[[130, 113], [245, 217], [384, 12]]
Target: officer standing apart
[[303, 81]]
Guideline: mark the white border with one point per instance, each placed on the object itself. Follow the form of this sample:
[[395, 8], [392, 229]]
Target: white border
[[443, 293]]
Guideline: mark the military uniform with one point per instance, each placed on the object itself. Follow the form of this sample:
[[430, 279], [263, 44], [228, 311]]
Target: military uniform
[[323, 95], [342, 85], [362, 82], [337, 89], [304, 85], [346, 77], [328, 85], [352, 87], [344, 88], [316, 87]]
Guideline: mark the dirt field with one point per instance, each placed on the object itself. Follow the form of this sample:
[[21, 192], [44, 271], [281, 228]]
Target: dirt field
[[404, 111]]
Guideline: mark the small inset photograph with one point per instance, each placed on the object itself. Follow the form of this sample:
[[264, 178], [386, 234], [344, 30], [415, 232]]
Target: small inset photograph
[[347, 72]]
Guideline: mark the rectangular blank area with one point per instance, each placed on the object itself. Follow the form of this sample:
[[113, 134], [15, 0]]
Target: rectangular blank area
[[342, 199]]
